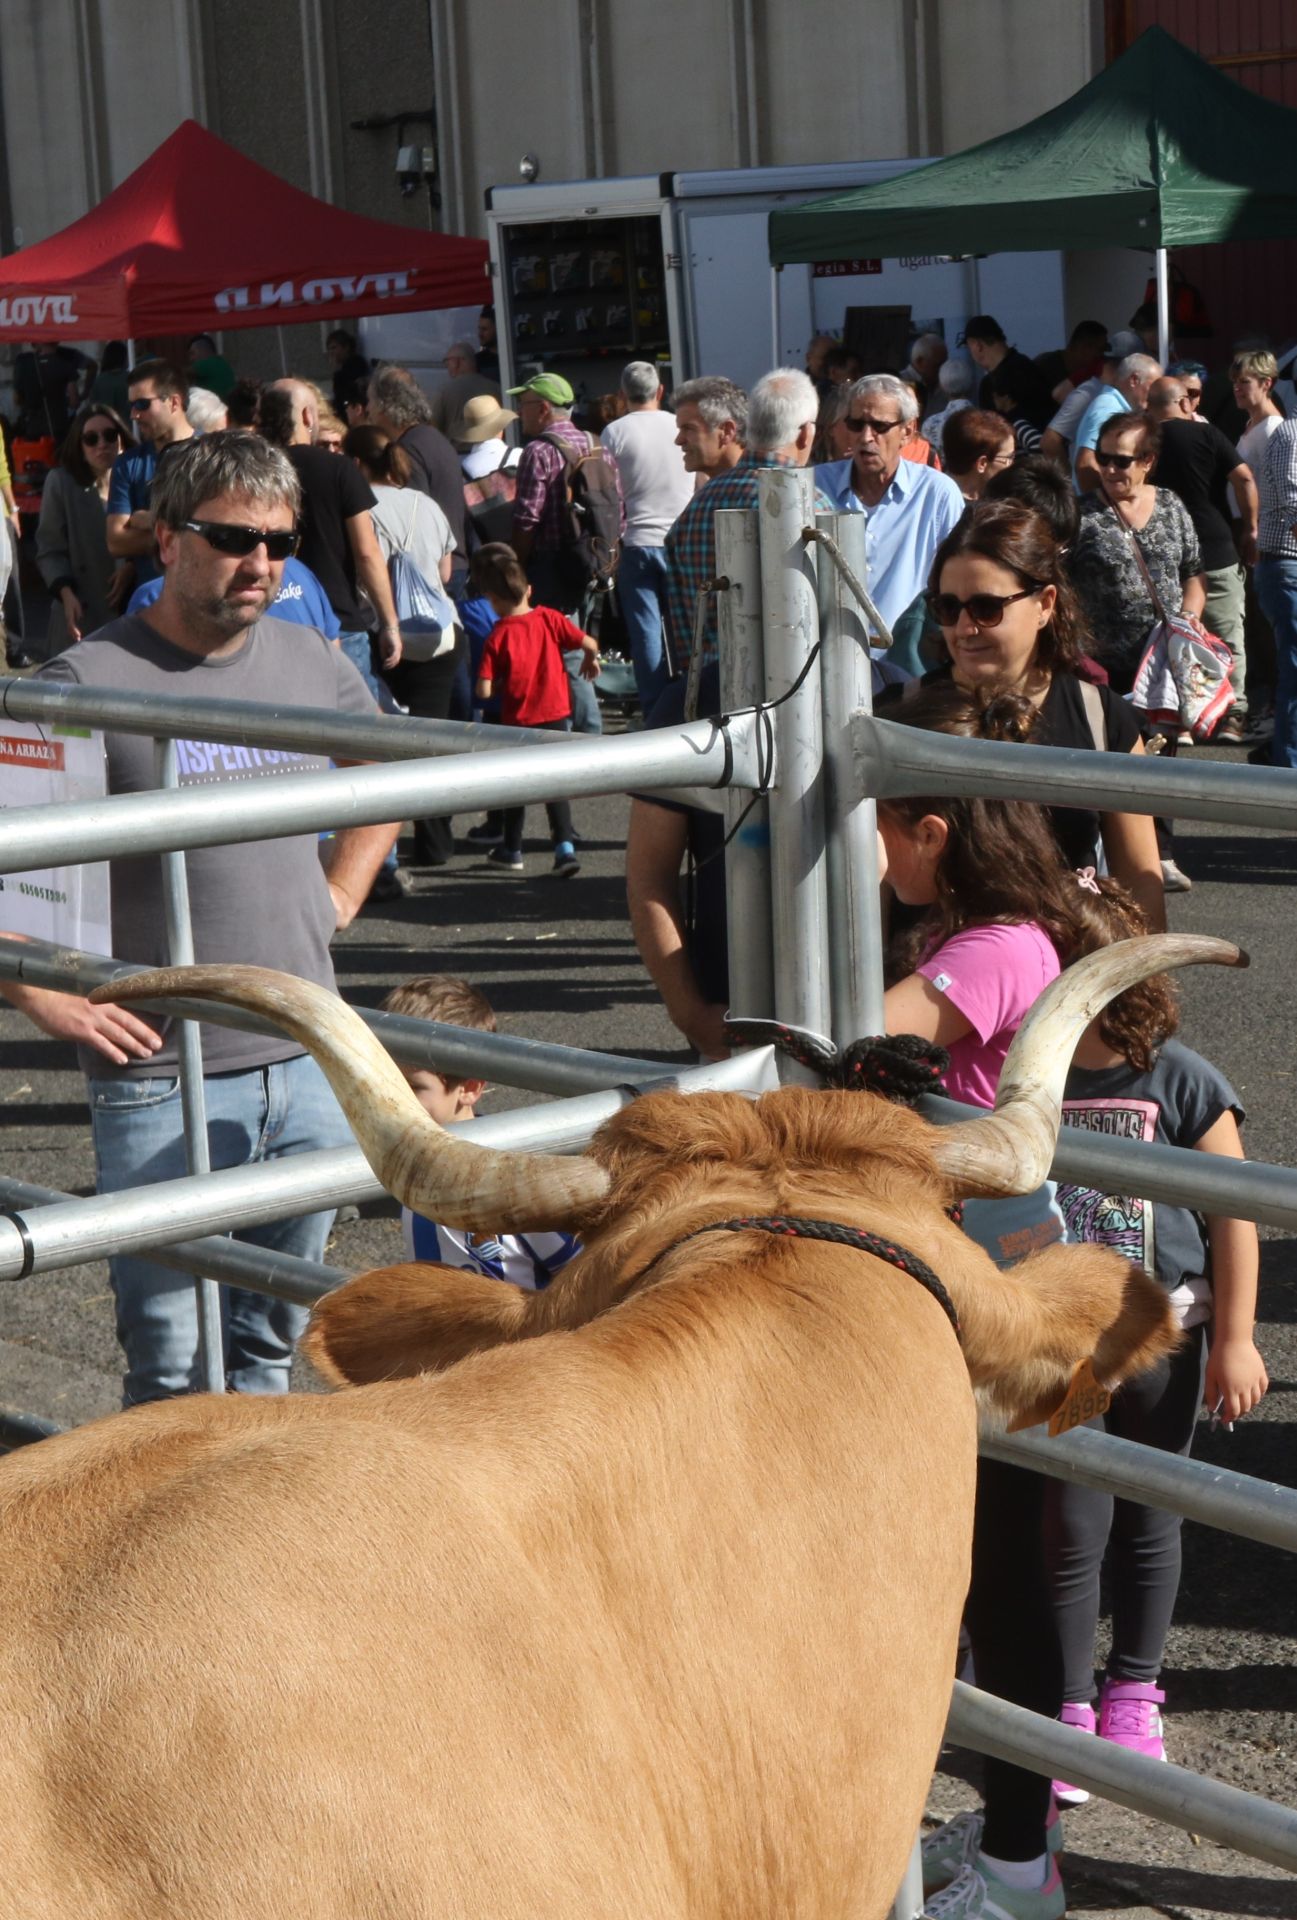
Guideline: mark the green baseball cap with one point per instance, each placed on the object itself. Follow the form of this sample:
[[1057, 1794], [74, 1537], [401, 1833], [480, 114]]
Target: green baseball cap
[[550, 386]]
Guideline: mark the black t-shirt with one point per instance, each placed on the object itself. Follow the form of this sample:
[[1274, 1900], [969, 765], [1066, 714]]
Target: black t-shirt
[[706, 931], [1062, 722], [436, 471], [1196, 461], [1025, 383], [333, 492]]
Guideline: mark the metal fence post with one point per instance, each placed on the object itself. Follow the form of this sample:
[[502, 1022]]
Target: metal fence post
[[743, 684], [798, 865], [180, 953], [855, 926]]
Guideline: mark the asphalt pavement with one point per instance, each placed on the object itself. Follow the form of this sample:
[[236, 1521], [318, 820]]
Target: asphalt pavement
[[557, 961]]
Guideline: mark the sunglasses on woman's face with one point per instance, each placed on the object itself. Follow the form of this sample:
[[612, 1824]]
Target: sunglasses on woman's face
[[1122, 461], [983, 609], [241, 541], [108, 438]]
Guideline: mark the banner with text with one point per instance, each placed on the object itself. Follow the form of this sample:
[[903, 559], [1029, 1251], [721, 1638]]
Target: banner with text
[[40, 767]]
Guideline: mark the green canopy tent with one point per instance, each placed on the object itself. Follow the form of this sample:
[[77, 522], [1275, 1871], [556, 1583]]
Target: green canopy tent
[[1159, 150]]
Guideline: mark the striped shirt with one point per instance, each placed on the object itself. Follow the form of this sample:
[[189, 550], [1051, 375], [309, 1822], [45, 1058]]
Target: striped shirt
[[1278, 487], [691, 549]]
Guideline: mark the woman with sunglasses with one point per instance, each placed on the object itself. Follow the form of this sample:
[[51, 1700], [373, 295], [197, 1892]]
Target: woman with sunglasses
[[1009, 621], [1125, 511], [1132, 532], [87, 584]]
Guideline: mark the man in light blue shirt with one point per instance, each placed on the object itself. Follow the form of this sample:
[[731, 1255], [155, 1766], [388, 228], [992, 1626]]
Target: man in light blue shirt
[[909, 509], [1128, 393]]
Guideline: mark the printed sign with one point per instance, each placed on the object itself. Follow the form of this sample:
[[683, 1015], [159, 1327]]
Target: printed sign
[[838, 269], [38, 310], [42, 766], [317, 292]]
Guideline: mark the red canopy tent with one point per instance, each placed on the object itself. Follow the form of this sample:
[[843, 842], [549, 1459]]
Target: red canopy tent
[[200, 237]]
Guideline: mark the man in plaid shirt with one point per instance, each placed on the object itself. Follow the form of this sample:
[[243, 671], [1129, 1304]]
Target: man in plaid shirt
[[545, 407], [782, 411]]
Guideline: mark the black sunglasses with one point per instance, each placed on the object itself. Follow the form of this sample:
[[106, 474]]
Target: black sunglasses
[[279, 545], [983, 609], [877, 427], [1119, 460], [110, 437], [141, 405]]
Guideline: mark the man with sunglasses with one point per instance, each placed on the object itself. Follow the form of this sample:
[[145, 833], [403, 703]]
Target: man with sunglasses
[[226, 511], [909, 509], [158, 396]]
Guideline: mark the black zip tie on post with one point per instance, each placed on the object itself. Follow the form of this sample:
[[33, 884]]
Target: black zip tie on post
[[29, 1250], [901, 1067]]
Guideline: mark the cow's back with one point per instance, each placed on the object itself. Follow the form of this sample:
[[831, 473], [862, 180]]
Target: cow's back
[[638, 1619]]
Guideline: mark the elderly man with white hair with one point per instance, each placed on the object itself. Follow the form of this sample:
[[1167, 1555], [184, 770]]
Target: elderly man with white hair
[[955, 382], [782, 410], [928, 355], [657, 489], [908, 509]]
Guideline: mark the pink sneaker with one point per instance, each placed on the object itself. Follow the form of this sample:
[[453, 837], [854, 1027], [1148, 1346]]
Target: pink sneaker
[[1075, 1713], [1129, 1714]]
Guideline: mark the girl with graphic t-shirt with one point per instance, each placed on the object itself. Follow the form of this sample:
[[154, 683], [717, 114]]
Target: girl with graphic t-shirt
[[1132, 1081], [999, 909]]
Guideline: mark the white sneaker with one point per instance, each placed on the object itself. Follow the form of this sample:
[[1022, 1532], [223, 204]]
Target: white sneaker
[[1173, 881]]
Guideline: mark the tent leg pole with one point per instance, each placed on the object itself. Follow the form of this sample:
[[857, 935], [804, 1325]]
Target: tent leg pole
[[775, 360], [283, 357], [1163, 307], [130, 353]]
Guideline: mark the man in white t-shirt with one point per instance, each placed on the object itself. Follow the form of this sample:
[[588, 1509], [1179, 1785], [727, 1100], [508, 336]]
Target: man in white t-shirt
[[657, 490]]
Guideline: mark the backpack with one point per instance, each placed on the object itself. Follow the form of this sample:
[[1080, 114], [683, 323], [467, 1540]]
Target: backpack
[[425, 612], [590, 545]]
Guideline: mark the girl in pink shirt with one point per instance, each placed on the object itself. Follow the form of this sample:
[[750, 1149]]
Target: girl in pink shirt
[[998, 912]]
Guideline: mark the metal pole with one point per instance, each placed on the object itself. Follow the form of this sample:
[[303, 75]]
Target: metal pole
[[798, 863], [208, 816], [1163, 277], [180, 953], [892, 760], [908, 1904], [234, 1197], [855, 924], [506, 1059], [743, 684], [1235, 1819], [1255, 1509]]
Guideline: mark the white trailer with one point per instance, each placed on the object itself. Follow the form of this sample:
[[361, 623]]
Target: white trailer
[[674, 267]]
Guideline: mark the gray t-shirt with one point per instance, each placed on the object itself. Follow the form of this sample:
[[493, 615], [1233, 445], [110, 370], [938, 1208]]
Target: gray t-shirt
[[262, 903], [1173, 1104]]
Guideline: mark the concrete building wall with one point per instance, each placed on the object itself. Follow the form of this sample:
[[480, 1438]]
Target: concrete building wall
[[591, 87]]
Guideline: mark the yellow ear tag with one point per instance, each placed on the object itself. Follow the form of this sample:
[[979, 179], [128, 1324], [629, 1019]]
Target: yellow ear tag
[[1084, 1399]]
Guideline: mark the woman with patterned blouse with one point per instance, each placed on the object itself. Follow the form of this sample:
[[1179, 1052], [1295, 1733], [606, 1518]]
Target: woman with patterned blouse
[[1105, 571], [1127, 511]]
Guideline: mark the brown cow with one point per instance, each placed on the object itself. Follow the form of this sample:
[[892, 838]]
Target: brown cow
[[646, 1607]]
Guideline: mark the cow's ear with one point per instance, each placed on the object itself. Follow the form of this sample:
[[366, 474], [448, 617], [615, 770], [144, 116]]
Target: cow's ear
[[400, 1321], [1027, 1330]]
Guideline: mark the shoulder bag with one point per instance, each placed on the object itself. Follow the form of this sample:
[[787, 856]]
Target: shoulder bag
[[1183, 678]]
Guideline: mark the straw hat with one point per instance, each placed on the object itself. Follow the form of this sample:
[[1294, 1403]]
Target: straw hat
[[482, 419]]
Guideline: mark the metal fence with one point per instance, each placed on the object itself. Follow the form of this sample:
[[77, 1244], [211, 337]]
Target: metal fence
[[796, 763]]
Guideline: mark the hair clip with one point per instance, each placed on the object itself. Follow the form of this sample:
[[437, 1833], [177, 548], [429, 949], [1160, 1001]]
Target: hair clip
[[1085, 877]]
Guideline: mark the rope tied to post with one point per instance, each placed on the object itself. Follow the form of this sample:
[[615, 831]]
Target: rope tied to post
[[853, 580]]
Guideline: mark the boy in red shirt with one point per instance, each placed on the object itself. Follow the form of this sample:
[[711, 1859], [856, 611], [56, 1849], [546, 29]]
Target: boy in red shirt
[[522, 666]]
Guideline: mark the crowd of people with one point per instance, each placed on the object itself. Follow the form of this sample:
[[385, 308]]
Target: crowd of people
[[384, 548]]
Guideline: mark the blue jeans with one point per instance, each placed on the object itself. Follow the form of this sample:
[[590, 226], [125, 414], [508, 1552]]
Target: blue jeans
[[1276, 589], [260, 1114], [358, 648], [641, 589]]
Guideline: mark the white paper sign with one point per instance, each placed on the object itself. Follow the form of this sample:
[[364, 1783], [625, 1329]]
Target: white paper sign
[[43, 766]]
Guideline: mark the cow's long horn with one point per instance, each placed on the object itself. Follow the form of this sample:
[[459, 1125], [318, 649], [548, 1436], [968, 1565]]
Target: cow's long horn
[[426, 1168], [1010, 1150]]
